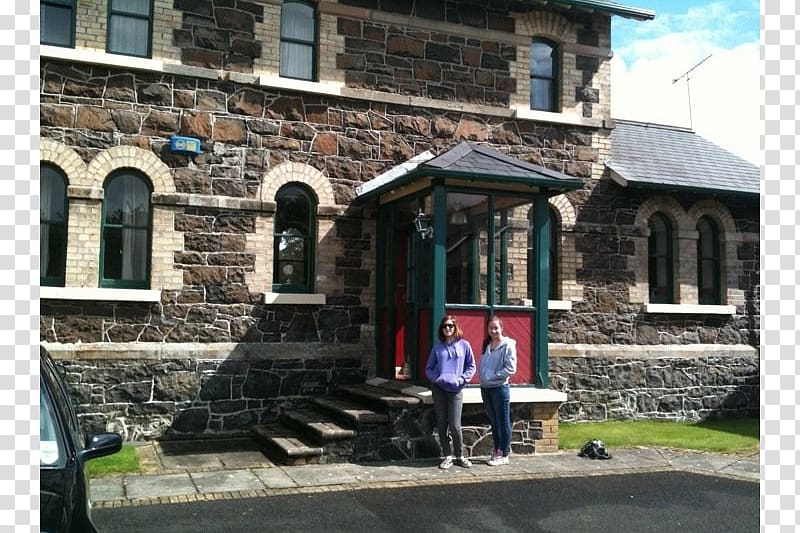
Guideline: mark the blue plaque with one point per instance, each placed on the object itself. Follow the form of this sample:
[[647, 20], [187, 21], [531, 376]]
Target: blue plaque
[[186, 145]]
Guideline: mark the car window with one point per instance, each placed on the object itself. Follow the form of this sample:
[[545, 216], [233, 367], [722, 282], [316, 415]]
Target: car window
[[51, 442], [63, 402]]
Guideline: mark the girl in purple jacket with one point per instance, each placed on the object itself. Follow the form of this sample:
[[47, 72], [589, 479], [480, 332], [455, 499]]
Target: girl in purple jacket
[[451, 364]]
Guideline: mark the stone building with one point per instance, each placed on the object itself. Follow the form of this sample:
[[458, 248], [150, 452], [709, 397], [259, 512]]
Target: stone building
[[229, 197]]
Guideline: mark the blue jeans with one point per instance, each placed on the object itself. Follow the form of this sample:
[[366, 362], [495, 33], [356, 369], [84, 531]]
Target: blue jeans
[[448, 407], [497, 402]]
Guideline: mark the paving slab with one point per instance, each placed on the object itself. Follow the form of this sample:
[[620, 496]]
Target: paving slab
[[316, 475], [107, 488], [275, 478], [158, 485], [226, 480]]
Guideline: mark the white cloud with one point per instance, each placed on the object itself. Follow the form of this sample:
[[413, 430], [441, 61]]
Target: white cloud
[[724, 91]]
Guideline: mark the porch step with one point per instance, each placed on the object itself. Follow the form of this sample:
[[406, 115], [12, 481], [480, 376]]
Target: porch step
[[313, 423], [353, 413], [285, 445], [378, 395]]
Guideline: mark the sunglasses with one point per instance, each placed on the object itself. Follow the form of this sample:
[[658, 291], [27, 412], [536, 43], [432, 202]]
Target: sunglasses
[[448, 326]]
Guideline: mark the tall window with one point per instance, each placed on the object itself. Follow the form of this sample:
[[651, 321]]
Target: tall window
[[552, 255], [660, 260], [298, 40], [57, 22], [708, 264], [295, 237], [52, 226], [130, 27], [544, 75], [125, 246]]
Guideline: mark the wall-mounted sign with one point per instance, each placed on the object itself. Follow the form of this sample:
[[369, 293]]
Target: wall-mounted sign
[[186, 145]]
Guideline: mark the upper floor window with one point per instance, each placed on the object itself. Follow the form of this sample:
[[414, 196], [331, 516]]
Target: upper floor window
[[298, 40], [295, 237], [708, 263], [52, 226], [130, 27], [660, 260], [544, 75], [125, 246], [57, 22]]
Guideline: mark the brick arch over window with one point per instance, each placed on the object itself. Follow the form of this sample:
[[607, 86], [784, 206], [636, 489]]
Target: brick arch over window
[[64, 158], [666, 205], [717, 211], [297, 172], [569, 260], [565, 210], [540, 24], [131, 157]]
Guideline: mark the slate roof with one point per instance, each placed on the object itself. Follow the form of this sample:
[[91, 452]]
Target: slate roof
[[470, 161], [673, 158], [612, 8]]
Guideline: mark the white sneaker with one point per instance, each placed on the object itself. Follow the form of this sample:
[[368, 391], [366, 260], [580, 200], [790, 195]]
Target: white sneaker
[[446, 463], [498, 461]]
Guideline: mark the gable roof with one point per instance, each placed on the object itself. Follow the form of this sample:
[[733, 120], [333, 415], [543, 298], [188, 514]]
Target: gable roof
[[670, 157], [479, 164], [611, 8]]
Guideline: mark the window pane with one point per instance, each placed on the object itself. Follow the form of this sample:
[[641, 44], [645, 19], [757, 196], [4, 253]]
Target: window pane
[[127, 201], [52, 258], [128, 35], [466, 221], [51, 444], [541, 60], [297, 61], [136, 7], [541, 94], [56, 25], [297, 21]]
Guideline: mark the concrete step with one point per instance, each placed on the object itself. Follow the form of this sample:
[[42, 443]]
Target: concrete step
[[285, 445], [315, 424], [352, 413], [378, 395]]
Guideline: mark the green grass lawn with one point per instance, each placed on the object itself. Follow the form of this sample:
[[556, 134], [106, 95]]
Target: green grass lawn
[[124, 461], [735, 435]]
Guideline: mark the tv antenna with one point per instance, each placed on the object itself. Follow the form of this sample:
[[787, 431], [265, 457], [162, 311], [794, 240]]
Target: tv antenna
[[688, 92]]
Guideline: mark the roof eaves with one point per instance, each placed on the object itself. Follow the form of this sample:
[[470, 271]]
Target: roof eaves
[[612, 8]]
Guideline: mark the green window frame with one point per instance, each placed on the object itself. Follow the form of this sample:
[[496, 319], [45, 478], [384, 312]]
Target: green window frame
[[57, 22], [53, 213], [298, 40], [708, 262], [125, 245], [544, 79], [130, 27], [552, 255], [295, 239], [660, 255]]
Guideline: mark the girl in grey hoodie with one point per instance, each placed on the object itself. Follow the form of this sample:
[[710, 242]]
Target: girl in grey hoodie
[[498, 363]]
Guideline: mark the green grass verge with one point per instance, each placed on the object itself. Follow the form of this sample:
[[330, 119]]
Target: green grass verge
[[734, 435], [125, 461]]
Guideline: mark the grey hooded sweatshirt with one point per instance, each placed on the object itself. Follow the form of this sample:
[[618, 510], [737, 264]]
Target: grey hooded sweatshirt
[[497, 365]]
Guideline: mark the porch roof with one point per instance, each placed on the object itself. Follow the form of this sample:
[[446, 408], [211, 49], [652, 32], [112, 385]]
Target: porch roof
[[467, 161]]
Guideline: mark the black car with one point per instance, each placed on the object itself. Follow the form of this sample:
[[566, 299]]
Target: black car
[[64, 485]]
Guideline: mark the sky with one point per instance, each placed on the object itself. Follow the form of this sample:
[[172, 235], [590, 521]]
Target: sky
[[724, 91]]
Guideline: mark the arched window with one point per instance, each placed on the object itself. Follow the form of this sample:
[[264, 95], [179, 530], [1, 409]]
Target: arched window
[[660, 260], [52, 226], [298, 53], [544, 75], [708, 263], [295, 237], [126, 231]]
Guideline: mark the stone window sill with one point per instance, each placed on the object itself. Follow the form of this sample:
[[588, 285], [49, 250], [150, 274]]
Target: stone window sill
[[557, 118], [293, 298], [559, 305], [100, 58], [97, 294], [690, 309]]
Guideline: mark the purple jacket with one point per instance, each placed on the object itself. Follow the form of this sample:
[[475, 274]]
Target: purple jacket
[[451, 366]]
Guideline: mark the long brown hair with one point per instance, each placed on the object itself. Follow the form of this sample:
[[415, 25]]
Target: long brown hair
[[488, 339], [457, 333]]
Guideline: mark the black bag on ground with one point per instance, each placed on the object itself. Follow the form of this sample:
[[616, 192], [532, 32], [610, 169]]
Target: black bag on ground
[[594, 449]]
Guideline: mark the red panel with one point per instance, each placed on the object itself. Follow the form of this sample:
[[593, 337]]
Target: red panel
[[473, 324], [519, 326]]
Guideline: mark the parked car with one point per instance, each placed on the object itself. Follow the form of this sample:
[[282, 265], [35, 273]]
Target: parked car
[[64, 486]]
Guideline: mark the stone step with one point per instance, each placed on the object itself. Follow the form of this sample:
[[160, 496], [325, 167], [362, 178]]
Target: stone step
[[378, 395], [316, 424], [351, 412], [285, 445]]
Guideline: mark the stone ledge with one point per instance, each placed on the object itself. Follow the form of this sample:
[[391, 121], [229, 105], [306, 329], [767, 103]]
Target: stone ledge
[[472, 393], [98, 294], [690, 309], [644, 351]]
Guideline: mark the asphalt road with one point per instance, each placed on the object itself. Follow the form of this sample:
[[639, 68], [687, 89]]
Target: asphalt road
[[654, 502]]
